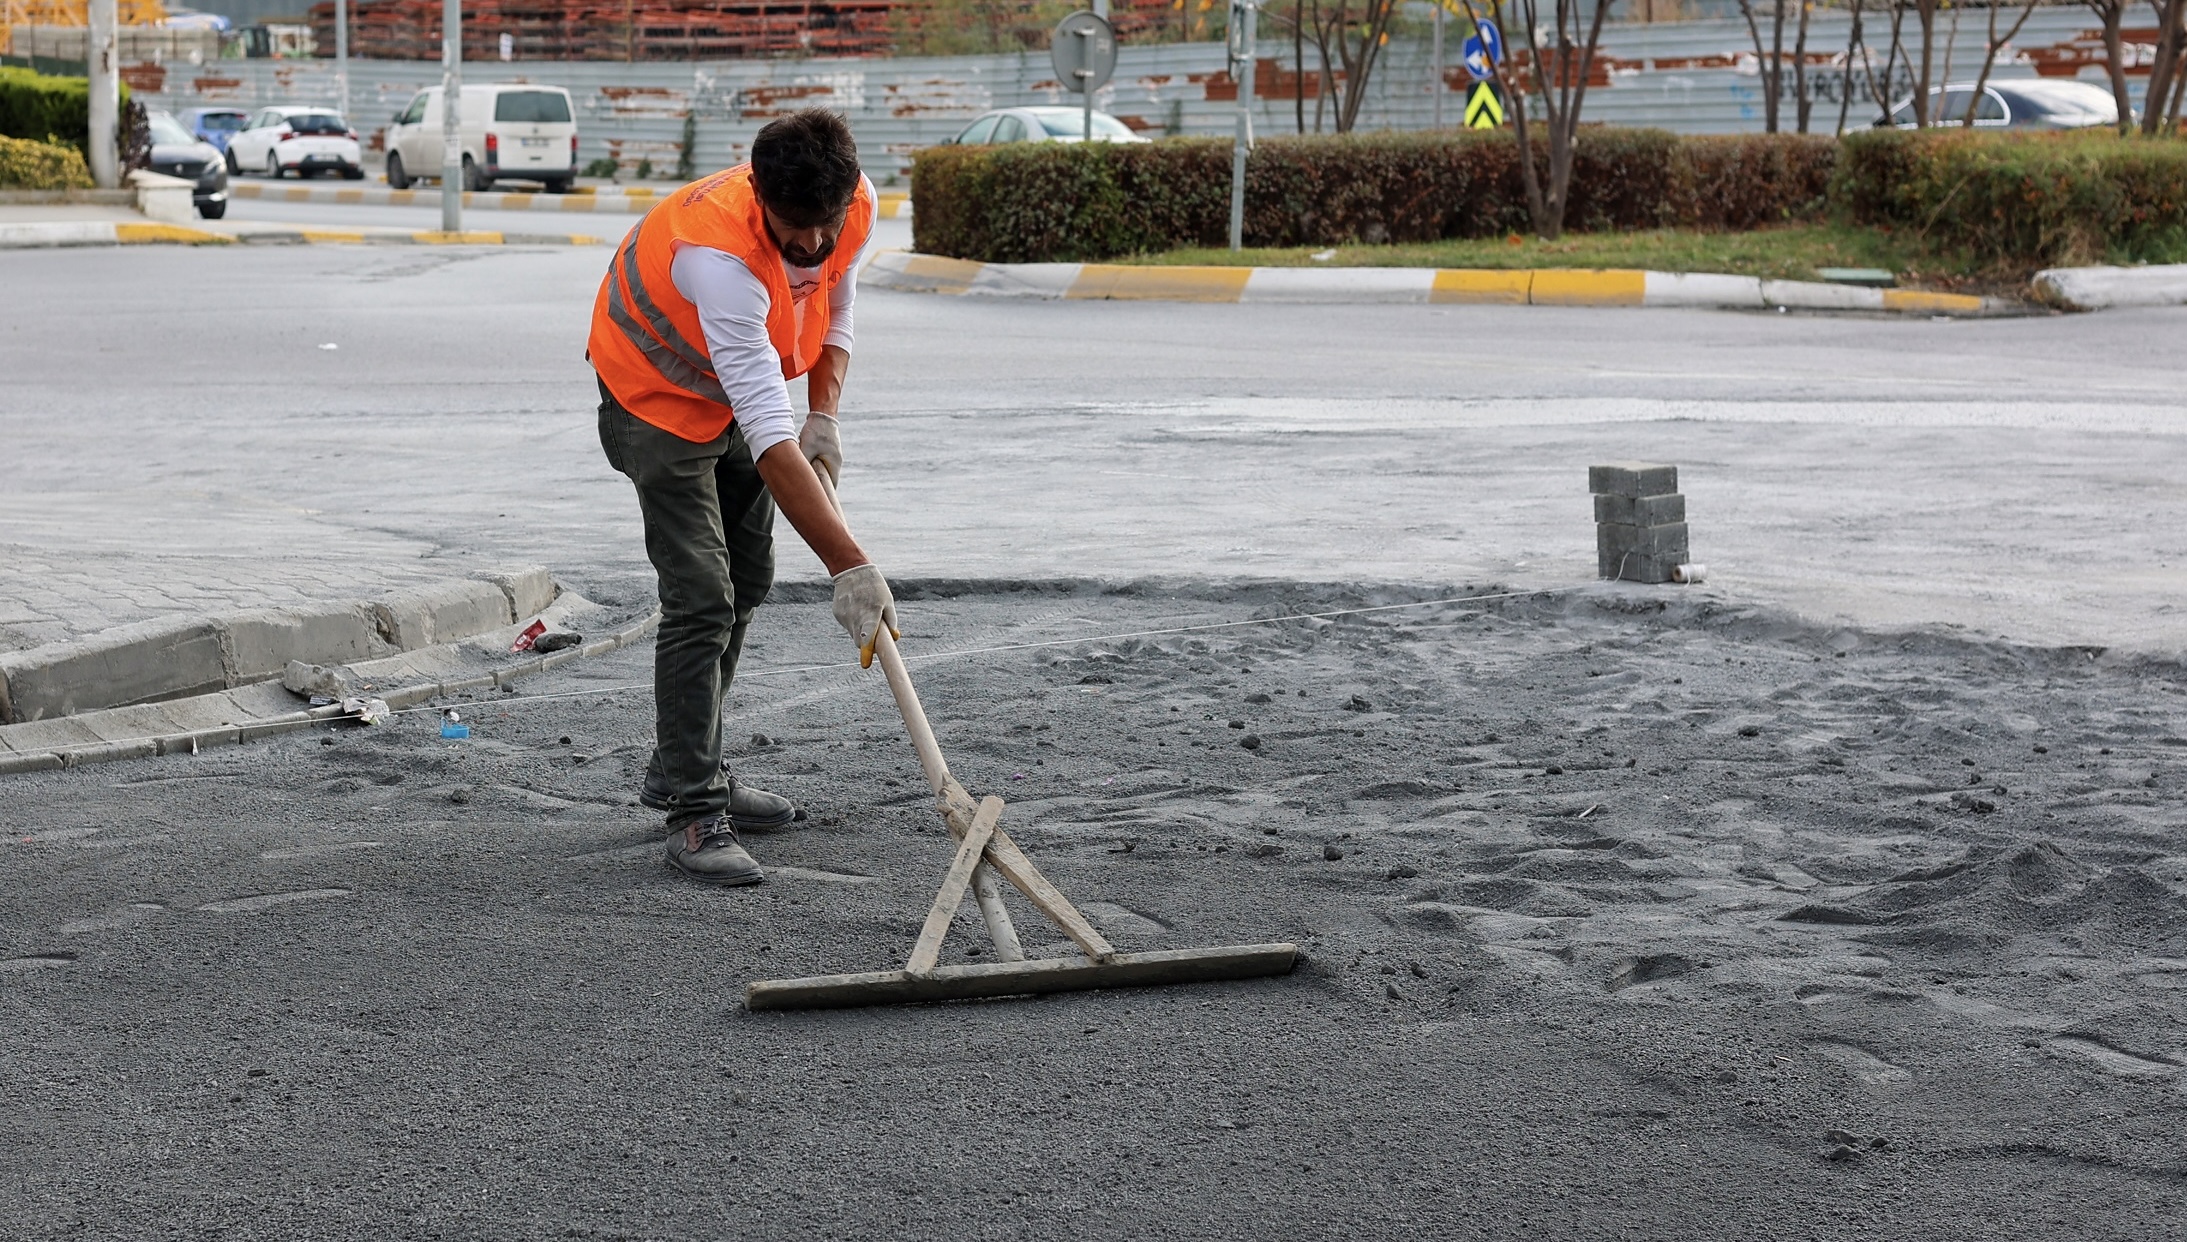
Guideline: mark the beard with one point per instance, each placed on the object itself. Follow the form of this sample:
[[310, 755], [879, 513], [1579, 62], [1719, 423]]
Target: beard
[[797, 256]]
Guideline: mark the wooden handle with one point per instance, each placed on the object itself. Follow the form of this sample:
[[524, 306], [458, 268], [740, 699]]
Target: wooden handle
[[899, 680], [958, 810]]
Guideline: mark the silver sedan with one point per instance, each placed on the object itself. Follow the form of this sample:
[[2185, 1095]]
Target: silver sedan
[[1043, 125]]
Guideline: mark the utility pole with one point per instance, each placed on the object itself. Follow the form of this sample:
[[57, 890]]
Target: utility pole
[[1435, 81], [341, 57], [105, 103], [451, 116], [1244, 20]]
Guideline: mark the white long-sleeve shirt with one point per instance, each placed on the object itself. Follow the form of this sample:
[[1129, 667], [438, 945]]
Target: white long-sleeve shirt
[[732, 306]]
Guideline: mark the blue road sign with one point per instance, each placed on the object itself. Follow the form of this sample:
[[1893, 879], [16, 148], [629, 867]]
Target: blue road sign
[[1484, 49]]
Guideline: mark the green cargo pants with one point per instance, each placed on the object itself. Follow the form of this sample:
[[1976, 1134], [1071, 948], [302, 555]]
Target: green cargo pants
[[710, 533]]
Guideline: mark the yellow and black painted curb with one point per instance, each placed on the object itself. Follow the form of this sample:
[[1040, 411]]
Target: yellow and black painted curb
[[920, 273]]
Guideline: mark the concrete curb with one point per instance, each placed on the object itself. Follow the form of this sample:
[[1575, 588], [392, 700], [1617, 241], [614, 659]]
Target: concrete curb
[[177, 657], [921, 273], [98, 747], [45, 235], [633, 201], [2105, 288]]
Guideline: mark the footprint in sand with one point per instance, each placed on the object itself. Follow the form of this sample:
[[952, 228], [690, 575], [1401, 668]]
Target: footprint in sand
[[34, 961], [313, 851], [1863, 1065], [114, 920], [1119, 921], [2113, 1059], [264, 901]]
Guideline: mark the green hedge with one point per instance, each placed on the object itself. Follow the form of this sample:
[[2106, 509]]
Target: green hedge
[[2023, 200], [1034, 202], [39, 107], [27, 165]]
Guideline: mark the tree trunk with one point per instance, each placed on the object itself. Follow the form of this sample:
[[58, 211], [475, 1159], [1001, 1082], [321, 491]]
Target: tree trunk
[[1802, 106], [1768, 66], [1925, 11], [2164, 70], [2112, 13], [1298, 59]]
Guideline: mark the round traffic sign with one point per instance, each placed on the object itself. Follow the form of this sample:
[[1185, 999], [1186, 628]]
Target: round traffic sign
[[1084, 51]]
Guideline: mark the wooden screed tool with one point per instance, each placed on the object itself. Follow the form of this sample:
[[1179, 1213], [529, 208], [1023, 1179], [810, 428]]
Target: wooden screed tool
[[985, 851]]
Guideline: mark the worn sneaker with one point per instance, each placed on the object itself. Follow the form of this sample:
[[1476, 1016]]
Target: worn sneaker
[[751, 810], [708, 849]]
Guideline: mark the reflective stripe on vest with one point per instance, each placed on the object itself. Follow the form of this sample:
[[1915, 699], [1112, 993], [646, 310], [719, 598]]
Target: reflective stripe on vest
[[647, 341], [664, 346]]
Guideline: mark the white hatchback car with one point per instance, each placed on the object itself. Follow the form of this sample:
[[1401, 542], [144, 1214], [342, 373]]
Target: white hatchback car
[[302, 140], [1043, 125], [510, 131]]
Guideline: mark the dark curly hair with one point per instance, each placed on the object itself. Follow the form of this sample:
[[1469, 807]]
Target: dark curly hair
[[805, 167]]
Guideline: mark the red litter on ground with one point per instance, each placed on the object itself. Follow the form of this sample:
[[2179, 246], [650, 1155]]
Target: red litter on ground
[[530, 635]]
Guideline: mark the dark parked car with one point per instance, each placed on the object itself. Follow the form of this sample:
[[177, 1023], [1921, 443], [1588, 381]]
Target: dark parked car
[[176, 152], [2017, 103], [214, 125]]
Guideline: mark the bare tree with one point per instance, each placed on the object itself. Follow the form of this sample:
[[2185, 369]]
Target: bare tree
[[2165, 71], [1845, 80], [1558, 75], [1348, 34], [1925, 16], [1989, 57], [1770, 59], [1881, 91]]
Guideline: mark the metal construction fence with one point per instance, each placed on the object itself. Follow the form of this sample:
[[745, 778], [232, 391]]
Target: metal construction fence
[[1690, 77]]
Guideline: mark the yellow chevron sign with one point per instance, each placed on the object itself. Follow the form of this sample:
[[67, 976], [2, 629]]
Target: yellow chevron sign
[[1483, 109]]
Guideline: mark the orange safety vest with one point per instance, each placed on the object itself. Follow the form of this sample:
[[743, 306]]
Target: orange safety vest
[[646, 340]]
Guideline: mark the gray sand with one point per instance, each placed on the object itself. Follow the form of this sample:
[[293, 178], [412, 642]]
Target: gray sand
[[1628, 913]]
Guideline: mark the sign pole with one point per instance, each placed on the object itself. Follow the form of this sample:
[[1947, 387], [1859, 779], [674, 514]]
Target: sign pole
[[104, 106], [451, 118], [1083, 50], [1085, 82], [1246, 13], [341, 54], [1436, 82]]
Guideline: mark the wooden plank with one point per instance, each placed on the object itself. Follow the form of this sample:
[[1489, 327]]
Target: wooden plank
[[928, 950], [1011, 863], [1005, 857], [988, 979]]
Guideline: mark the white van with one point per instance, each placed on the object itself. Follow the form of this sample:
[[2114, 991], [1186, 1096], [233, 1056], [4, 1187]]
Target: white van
[[510, 131]]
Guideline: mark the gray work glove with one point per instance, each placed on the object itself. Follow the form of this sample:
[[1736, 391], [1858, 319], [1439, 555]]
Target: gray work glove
[[821, 441], [862, 606]]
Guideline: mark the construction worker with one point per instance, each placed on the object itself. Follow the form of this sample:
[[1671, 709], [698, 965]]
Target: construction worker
[[728, 289]]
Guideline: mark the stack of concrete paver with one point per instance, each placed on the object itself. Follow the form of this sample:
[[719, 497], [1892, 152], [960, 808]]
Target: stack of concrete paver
[[1640, 521]]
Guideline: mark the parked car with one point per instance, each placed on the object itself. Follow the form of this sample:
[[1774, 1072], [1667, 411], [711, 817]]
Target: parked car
[[302, 140], [214, 125], [2018, 103], [176, 152], [510, 132], [1043, 125]]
